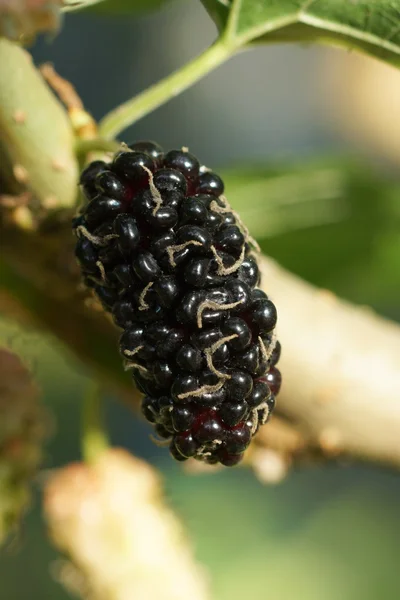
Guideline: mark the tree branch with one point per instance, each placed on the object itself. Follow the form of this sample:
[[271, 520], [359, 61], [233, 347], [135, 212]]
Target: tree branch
[[341, 366], [132, 545]]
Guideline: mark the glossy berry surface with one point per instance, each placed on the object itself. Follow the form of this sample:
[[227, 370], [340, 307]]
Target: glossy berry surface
[[166, 257], [125, 227], [184, 162], [152, 149], [88, 178], [274, 380], [210, 183], [109, 184], [132, 166]]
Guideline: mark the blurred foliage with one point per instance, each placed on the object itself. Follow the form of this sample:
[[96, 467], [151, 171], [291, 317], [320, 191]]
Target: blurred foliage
[[334, 222], [331, 549], [21, 20]]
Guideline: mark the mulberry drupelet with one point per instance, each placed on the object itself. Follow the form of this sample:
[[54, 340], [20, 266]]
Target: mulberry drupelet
[[165, 254]]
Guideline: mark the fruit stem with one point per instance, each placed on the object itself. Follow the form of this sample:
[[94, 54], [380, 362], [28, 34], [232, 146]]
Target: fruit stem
[[94, 438], [131, 111]]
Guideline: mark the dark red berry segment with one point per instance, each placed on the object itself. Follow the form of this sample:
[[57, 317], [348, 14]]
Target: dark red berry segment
[[237, 439], [229, 460], [186, 444], [274, 380], [233, 413], [183, 416], [166, 256]]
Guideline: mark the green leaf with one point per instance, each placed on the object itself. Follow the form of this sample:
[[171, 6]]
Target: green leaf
[[372, 27], [218, 11], [115, 6]]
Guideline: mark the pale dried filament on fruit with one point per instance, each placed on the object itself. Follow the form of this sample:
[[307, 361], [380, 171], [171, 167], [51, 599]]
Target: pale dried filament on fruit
[[203, 452], [255, 423], [100, 266], [208, 450], [205, 389], [267, 353], [171, 250], [214, 305], [95, 239], [155, 193], [138, 367], [142, 302], [210, 351], [222, 270], [134, 351], [215, 207], [264, 413]]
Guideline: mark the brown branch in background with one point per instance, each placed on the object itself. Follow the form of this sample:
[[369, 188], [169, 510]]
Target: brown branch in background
[[122, 541], [85, 127], [63, 88]]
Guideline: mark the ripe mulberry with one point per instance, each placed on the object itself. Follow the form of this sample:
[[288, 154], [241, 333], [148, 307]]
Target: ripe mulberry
[[165, 254]]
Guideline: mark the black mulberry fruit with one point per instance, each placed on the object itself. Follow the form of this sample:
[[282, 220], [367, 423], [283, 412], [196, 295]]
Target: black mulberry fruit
[[159, 245]]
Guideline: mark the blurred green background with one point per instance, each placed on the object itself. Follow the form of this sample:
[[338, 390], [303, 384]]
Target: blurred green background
[[325, 533]]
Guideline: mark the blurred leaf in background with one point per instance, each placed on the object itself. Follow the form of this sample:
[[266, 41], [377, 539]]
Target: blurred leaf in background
[[333, 222], [327, 544]]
